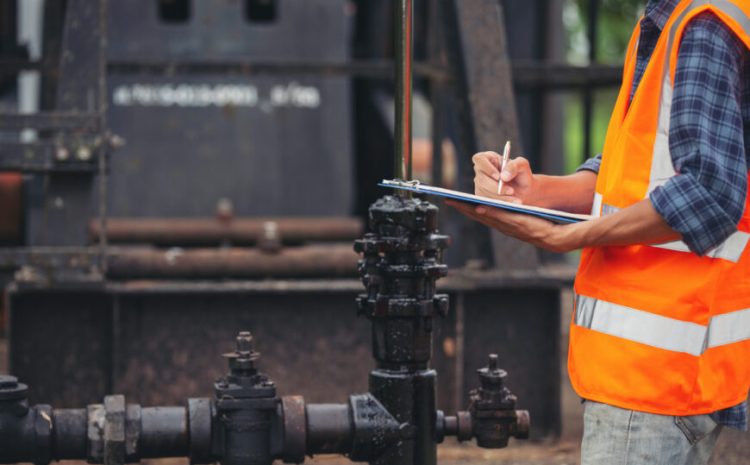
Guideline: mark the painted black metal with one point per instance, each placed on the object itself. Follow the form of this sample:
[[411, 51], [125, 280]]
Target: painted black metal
[[493, 409], [400, 264], [276, 144], [26, 432], [329, 428], [69, 433], [59, 208]]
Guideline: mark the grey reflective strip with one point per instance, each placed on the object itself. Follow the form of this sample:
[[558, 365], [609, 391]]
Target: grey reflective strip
[[731, 249], [609, 209], [639, 326], [596, 206], [729, 328], [660, 331]]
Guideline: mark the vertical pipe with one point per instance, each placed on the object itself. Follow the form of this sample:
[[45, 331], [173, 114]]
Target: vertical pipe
[[436, 92], [404, 47], [103, 149]]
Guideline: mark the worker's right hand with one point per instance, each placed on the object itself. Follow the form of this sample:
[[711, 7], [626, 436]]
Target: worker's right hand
[[518, 180]]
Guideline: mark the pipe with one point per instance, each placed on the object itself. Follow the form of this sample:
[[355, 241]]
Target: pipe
[[404, 48], [299, 262], [329, 429], [238, 231], [69, 433], [164, 432]]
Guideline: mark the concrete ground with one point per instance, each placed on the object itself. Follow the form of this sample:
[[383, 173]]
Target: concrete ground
[[733, 447]]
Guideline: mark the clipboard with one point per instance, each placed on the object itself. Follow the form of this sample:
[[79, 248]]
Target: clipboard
[[556, 216]]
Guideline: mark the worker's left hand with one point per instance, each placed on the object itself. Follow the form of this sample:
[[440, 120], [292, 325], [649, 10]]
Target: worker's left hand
[[536, 231]]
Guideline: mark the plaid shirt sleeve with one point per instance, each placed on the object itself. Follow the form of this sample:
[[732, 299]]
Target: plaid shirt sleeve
[[592, 164], [705, 201]]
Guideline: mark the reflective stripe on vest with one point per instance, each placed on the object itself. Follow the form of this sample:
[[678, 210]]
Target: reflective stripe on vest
[[660, 331]]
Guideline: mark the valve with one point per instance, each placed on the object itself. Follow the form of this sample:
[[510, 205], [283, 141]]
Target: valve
[[493, 409], [245, 402]]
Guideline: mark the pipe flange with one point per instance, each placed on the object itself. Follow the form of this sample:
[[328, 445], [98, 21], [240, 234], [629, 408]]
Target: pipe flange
[[107, 432], [295, 429], [96, 419], [465, 427], [43, 434], [114, 430], [132, 433], [200, 415]]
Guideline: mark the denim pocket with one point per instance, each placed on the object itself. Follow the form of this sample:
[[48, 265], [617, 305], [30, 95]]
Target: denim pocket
[[695, 427]]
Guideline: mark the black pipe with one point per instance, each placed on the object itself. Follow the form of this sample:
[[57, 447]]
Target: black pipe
[[69, 434], [330, 429], [164, 432]]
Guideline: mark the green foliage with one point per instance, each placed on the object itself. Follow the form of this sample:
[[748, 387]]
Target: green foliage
[[615, 25]]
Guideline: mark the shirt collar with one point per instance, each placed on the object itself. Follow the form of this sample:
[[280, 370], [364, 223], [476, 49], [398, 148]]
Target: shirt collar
[[659, 11]]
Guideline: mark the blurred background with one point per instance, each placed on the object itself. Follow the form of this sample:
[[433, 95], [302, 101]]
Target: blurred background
[[176, 170]]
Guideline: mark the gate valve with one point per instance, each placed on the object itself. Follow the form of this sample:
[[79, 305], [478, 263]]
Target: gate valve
[[493, 409]]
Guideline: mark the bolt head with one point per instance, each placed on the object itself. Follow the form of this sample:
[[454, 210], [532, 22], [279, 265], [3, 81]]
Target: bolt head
[[62, 154], [84, 153], [492, 364], [244, 341]]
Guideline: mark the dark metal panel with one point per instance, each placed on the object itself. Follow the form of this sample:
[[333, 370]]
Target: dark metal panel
[[60, 345], [60, 217], [276, 144], [312, 344], [268, 155], [219, 29]]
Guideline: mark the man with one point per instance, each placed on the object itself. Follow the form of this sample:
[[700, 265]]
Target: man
[[660, 339]]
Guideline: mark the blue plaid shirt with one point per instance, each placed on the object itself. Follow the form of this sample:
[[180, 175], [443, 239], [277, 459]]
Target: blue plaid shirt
[[709, 137]]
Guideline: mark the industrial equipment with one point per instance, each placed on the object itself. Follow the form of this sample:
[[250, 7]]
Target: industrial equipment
[[247, 423], [146, 224]]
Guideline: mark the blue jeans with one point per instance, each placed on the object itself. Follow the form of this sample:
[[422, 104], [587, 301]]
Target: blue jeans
[[614, 436]]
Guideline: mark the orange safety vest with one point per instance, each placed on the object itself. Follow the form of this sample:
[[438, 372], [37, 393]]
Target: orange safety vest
[[658, 328]]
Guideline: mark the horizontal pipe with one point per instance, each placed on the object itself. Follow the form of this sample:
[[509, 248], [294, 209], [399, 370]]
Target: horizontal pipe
[[330, 429], [164, 432], [69, 434], [293, 262], [241, 231]]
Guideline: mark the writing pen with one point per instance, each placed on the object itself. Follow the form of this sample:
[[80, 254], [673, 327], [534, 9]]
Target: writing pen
[[503, 162]]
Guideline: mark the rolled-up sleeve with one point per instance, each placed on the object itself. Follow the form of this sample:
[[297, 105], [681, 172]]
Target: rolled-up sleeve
[[592, 164], [705, 200]]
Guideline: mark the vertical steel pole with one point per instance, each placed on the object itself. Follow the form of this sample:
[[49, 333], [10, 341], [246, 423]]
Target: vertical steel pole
[[404, 48]]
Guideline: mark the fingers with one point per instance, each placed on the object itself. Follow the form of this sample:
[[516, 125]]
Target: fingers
[[485, 185], [488, 164], [514, 168]]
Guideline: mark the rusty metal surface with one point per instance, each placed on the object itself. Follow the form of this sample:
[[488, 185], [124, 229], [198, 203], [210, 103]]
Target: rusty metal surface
[[203, 231], [298, 262], [10, 214]]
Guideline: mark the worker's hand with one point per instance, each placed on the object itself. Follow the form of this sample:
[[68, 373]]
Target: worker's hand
[[518, 180], [535, 231]]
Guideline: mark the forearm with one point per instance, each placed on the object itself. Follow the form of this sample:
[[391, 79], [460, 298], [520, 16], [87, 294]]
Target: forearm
[[638, 224], [573, 193]]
